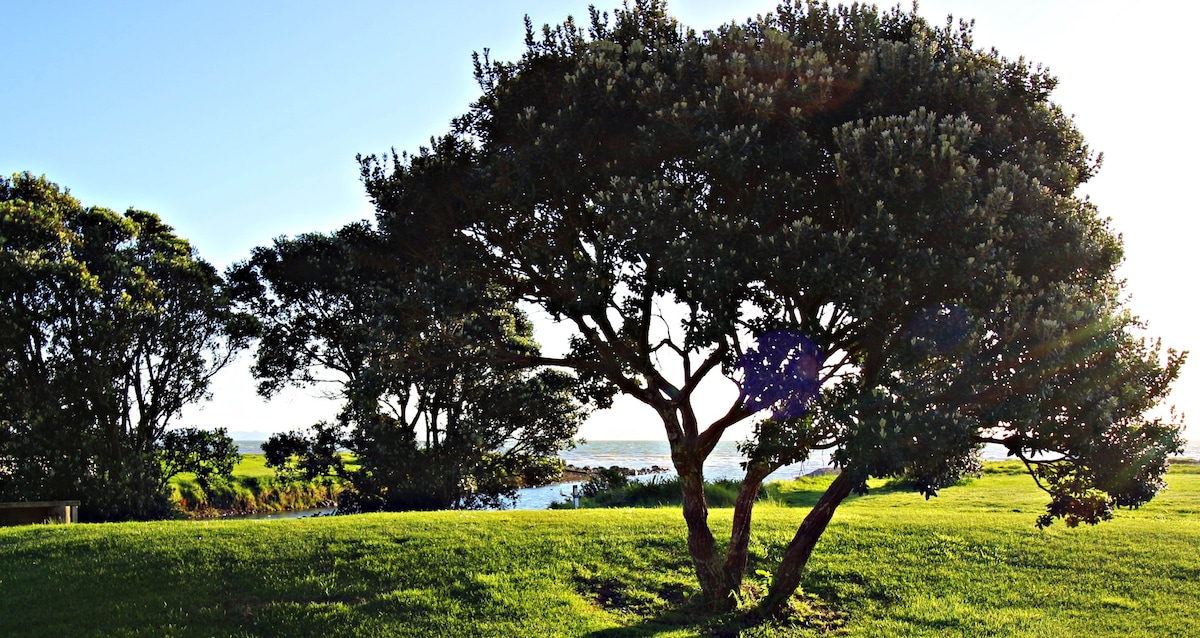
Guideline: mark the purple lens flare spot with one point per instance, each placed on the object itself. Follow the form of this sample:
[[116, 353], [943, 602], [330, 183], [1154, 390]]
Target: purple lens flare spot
[[782, 373]]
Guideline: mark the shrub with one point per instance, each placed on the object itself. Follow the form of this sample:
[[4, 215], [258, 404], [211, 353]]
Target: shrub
[[609, 488]]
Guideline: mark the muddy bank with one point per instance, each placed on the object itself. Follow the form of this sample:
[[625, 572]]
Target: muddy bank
[[325, 507]]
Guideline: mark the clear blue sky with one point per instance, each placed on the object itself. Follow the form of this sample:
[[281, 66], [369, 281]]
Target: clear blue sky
[[239, 122]]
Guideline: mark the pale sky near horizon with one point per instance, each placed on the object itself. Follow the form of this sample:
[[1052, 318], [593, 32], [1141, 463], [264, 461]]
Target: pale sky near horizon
[[240, 122]]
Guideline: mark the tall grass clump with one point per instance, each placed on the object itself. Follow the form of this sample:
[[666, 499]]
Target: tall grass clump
[[253, 488], [613, 489]]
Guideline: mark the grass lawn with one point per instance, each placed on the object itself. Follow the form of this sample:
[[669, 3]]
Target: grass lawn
[[968, 563], [253, 466]]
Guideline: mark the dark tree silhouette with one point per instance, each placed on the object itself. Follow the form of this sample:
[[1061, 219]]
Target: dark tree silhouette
[[432, 422]]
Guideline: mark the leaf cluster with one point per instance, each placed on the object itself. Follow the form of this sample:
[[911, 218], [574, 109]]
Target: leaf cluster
[[208, 454]]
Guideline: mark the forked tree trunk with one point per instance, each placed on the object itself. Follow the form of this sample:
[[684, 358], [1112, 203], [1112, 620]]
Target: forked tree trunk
[[787, 576]]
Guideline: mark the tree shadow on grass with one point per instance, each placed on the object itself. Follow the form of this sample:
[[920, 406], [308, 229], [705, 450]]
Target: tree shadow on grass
[[681, 621], [721, 626], [807, 614]]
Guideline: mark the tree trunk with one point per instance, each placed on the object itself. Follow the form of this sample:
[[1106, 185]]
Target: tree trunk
[[713, 585], [787, 576], [737, 555]]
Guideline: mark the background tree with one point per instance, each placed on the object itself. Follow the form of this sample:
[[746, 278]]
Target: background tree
[[111, 325], [206, 453], [306, 455], [864, 180], [431, 422]]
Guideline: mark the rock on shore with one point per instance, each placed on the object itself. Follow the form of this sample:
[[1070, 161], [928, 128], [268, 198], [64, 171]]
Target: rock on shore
[[576, 474]]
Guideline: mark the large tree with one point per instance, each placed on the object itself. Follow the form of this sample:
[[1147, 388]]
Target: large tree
[[111, 325], [870, 188], [432, 422]]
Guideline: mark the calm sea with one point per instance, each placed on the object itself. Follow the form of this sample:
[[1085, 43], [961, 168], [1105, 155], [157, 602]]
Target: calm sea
[[724, 462]]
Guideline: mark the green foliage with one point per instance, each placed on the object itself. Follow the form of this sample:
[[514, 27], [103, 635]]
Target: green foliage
[[608, 489], [205, 453], [929, 480], [298, 455], [246, 495], [963, 564], [865, 179], [434, 421], [604, 480], [111, 324], [252, 487]]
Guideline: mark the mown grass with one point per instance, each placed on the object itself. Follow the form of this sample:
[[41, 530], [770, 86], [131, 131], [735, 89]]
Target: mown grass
[[968, 563]]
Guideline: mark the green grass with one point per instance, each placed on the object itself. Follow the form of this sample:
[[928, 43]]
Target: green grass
[[968, 563], [253, 487], [253, 466]]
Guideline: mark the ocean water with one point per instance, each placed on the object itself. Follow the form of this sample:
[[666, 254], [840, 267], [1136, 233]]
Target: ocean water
[[724, 462]]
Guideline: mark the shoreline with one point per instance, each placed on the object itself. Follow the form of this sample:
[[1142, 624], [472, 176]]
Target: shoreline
[[575, 474]]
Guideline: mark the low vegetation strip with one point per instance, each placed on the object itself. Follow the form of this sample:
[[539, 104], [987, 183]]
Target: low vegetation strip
[[253, 488], [967, 563]]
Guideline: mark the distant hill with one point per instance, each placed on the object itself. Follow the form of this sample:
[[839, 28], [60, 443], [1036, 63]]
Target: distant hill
[[249, 435]]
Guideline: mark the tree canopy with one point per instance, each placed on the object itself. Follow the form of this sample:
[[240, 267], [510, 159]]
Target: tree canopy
[[864, 180], [432, 421], [111, 325]]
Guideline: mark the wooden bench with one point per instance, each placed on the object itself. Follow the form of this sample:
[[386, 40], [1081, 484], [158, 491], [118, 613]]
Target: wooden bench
[[39, 512]]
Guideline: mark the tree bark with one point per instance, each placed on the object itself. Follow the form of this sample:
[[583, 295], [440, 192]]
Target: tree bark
[[787, 576], [737, 554], [713, 584]]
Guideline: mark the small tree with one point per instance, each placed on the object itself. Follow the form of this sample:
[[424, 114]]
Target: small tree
[[864, 180], [206, 453], [432, 424], [111, 325]]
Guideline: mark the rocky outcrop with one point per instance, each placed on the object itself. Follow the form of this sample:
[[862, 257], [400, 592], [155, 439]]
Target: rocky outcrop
[[576, 474]]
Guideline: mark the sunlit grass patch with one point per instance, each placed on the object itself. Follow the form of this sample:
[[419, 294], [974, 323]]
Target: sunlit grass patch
[[969, 562]]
